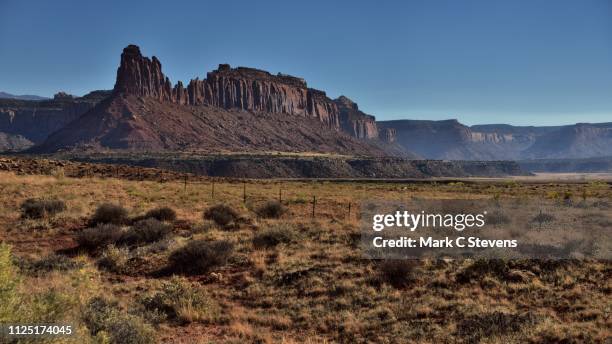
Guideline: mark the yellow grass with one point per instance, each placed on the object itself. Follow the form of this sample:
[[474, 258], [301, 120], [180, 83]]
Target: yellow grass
[[318, 288]]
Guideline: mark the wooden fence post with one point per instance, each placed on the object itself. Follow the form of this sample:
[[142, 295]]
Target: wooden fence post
[[185, 185], [243, 192], [280, 194], [314, 203], [349, 211], [213, 189]]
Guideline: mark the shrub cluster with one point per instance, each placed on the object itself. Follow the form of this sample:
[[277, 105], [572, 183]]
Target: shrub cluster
[[271, 209], [110, 213], [114, 259], [41, 208], [221, 214], [106, 322], [146, 231], [180, 300], [397, 273], [162, 214], [100, 236], [108, 218], [198, 256], [272, 237]]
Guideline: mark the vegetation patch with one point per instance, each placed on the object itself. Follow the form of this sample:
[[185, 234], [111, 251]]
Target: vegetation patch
[[114, 259], [273, 236], [397, 273], [543, 218], [221, 214], [109, 324], [481, 267], [271, 210], [41, 208], [162, 214], [110, 213], [199, 256], [487, 325], [100, 236], [52, 262], [184, 302], [146, 231]]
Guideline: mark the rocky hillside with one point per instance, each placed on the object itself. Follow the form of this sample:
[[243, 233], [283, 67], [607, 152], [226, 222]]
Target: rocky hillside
[[26, 122], [128, 122], [452, 140]]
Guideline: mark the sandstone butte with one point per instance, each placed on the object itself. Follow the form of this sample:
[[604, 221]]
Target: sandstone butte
[[247, 89]]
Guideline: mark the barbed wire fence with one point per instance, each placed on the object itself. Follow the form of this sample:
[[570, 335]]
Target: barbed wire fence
[[243, 193]]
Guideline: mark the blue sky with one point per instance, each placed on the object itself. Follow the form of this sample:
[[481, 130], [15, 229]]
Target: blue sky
[[524, 62]]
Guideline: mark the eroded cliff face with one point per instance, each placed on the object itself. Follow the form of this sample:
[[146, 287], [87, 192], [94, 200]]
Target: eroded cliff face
[[354, 121], [387, 135], [243, 88], [35, 120]]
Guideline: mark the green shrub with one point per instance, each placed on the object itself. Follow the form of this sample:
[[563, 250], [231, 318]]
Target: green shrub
[[272, 237], [19, 307], [114, 259], [271, 209], [9, 281], [162, 214], [180, 300], [100, 236], [397, 273], [146, 231], [41, 208], [110, 213], [107, 322], [49, 307], [221, 214], [198, 256]]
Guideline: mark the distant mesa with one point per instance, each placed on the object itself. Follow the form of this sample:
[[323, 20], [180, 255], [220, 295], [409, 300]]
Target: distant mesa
[[4, 95]]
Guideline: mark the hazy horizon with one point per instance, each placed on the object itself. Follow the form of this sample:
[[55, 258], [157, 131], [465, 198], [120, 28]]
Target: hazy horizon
[[482, 62]]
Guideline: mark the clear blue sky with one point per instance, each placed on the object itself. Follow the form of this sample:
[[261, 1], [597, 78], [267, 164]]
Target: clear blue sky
[[526, 62]]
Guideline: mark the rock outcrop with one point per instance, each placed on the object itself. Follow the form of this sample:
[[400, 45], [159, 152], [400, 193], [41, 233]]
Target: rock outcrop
[[141, 76], [242, 88], [354, 121], [387, 135]]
